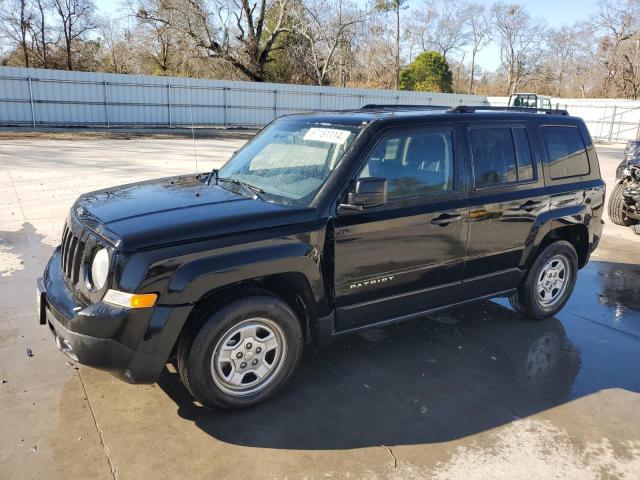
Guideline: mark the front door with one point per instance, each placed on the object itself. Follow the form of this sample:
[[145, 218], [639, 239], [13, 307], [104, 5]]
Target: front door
[[408, 255]]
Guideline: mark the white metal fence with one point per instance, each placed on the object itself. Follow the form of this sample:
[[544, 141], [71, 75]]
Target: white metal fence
[[35, 97], [612, 121], [59, 98], [609, 120]]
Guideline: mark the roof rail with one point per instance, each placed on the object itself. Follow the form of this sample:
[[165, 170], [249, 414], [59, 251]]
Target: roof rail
[[474, 108], [395, 106]]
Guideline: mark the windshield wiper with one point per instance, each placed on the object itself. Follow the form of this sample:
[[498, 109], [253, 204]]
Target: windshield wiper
[[256, 192]]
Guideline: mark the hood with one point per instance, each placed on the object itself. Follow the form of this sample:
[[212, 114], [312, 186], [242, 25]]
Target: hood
[[177, 209]]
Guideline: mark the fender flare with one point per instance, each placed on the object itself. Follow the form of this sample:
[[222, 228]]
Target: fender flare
[[552, 220], [195, 279]]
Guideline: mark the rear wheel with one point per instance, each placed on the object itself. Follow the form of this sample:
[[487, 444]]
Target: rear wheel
[[616, 203], [242, 354], [549, 282]]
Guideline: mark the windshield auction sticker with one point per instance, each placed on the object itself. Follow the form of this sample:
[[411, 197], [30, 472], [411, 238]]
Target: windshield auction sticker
[[328, 135]]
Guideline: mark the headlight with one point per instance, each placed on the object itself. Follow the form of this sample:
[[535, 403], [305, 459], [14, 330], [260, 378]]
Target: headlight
[[100, 269]]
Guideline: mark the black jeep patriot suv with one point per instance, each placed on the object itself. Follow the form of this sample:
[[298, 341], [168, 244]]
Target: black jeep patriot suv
[[321, 225]]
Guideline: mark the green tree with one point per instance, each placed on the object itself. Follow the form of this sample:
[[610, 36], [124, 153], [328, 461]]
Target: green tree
[[429, 72]]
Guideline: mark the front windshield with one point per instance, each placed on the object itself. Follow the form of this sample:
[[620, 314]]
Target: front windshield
[[291, 159]]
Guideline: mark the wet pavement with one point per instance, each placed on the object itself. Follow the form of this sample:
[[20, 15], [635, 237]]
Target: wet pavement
[[473, 392]]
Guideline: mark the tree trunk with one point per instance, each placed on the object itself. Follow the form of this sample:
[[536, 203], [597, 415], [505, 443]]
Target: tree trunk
[[43, 34], [23, 32], [473, 72], [69, 63], [25, 51], [397, 79]]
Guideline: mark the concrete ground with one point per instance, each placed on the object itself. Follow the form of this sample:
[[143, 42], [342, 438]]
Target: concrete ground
[[475, 392]]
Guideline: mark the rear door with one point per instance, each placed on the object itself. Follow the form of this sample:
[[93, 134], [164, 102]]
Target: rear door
[[408, 255], [508, 195]]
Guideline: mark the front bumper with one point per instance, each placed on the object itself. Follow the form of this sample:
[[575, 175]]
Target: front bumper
[[134, 344]]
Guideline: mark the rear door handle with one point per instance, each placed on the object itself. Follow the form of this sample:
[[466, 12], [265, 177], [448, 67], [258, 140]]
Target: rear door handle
[[445, 219], [529, 205]]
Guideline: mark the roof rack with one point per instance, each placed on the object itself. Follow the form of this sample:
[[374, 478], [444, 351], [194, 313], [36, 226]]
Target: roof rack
[[395, 106], [473, 109]]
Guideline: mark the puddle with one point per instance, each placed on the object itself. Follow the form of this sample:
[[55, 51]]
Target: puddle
[[608, 293], [9, 262], [18, 249]]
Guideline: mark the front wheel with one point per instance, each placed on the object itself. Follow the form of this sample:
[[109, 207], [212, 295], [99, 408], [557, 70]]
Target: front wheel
[[616, 204], [549, 282], [242, 354]]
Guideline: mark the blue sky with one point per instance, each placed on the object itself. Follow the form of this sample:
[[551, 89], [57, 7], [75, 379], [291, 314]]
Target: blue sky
[[555, 12]]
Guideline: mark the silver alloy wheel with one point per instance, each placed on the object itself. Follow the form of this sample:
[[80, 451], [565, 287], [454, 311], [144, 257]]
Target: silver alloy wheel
[[552, 281], [248, 357]]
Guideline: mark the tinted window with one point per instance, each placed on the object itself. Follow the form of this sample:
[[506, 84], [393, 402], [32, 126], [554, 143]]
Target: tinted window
[[413, 163], [523, 154], [500, 155], [525, 101], [566, 152]]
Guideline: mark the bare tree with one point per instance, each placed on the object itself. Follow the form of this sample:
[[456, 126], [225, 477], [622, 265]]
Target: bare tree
[[520, 43], [15, 26], [77, 17], [373, 55], [562, 55], [164, 50], [325, 31], [242, 33], [122, 49], [450, 34], [478, 24], [420, 27], [631, 70], [615, 22], [41, 32], [441, 26]]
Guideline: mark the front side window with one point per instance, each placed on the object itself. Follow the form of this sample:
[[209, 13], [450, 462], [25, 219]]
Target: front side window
[[500, 156], [413, 163], [566, 152], [290, 160]]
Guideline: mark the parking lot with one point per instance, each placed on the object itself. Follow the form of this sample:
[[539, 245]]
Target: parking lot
[[474, 392]]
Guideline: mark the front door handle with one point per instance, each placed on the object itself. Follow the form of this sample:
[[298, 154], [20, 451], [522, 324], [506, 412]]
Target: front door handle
[[445, 219], [529, 205]]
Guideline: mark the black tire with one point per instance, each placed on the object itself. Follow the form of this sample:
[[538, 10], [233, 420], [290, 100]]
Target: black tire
[[196, 348], [526, 301], [616, 202]]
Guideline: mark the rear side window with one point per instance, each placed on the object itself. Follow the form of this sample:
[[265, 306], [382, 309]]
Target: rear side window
[[500, 156], [566, 152]]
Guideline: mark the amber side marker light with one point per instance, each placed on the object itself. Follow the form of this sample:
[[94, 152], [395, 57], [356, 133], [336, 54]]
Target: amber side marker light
[[130, 300]]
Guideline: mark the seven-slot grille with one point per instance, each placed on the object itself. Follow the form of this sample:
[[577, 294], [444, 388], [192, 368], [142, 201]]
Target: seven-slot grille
[[78, 245]]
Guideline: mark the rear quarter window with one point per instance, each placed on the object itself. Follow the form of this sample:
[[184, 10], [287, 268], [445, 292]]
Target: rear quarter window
[[566, 152]]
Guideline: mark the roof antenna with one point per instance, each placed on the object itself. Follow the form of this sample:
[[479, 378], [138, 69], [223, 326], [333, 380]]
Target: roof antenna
[[193, 132]]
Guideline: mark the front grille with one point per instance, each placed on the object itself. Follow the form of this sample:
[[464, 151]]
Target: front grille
[[72, 254], [77, 249]]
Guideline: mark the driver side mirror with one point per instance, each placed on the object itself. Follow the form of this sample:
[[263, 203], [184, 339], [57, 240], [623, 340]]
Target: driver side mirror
[[366, 193]]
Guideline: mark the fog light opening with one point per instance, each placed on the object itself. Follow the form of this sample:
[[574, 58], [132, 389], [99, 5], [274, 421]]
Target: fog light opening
[[65, 347]]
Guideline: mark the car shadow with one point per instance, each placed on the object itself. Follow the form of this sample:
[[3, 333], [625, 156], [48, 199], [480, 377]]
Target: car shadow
[[429, 380]]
